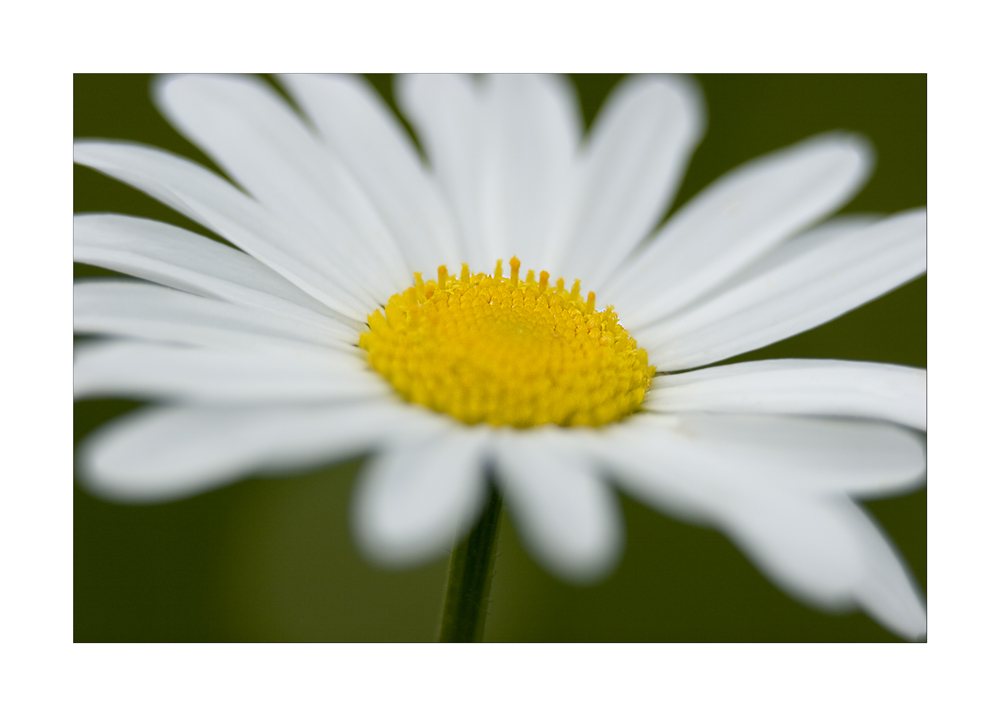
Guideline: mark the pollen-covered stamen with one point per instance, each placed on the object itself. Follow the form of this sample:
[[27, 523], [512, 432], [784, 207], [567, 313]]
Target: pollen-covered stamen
[[507, 351]]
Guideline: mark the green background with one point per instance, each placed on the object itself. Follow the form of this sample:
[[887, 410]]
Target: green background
[[272, 559]]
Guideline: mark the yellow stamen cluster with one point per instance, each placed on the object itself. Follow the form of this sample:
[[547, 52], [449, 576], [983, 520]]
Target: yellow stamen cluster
[[507, 351]]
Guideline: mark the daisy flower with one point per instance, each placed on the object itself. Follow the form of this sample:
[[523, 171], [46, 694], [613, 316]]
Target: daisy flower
[[504, 311]]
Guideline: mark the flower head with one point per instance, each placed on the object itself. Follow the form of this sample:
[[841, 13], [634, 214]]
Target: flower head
[[367, 309], [504, 351]]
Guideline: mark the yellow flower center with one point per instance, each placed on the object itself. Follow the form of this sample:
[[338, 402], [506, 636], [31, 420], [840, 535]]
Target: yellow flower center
[[507, 351]]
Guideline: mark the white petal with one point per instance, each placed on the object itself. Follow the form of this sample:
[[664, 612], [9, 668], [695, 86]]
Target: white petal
[[803, 387], [531, 132], [809, 455], [167, 453], [140, 310], [736, 220], [414, 501], [567, 516], [828, 553], [368, 139], [650, 462], [180, 259], [834, 275], [887, 591], [805, 242], [255, 137], [447, 112], [218, 205], [815, 544], [629, 172], [806, 546], [145, 370]]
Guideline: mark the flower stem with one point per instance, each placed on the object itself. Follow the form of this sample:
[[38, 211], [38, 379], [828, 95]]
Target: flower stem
[[469, 578]]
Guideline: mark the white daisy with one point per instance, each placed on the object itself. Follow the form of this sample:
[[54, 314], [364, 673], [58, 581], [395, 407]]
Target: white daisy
[[315, 340]]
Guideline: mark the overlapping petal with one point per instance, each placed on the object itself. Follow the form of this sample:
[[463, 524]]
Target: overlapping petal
[[216, 204], [365, 136], [798, 387], [414, 500], [531, 131], [800, 529], [734, 222], [133, 369], [252, 133], [166, 453], [828, 553], [803, 287], [704, 455], [627, 174], [173, 257], [140, 310], [566, 514], [447, 113], [504, 153]]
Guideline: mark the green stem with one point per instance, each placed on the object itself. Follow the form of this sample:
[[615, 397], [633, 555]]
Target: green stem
[[469, 578]]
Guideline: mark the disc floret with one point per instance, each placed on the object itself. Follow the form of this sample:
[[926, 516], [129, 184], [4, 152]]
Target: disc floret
[[507, 351]]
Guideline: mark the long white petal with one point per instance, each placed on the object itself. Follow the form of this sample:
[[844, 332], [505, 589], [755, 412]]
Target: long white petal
[[795, 247], [179, 259], [629, 172], [888, 591], [166, 453], [216, 204], [815, 544], [651, 464], [140, 310], [371, 143], [828, 553], [567, 516], [149, 370], [707, 454], [447, 113], [412, 502], [804, 387], [831, 277], [736, 220], [531, 132], [806, 546], [249, 131]]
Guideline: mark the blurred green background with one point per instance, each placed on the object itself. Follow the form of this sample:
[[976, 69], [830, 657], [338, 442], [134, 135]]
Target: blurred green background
[[272, 559]]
